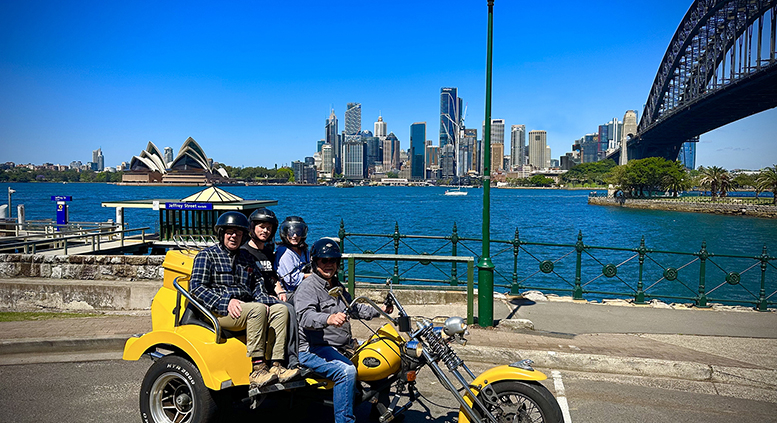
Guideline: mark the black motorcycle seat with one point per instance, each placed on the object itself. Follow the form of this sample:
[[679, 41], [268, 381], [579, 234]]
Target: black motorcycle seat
[[193, 316]]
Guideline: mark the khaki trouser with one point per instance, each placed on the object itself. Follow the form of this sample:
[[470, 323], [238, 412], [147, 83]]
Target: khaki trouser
[[263, 340]]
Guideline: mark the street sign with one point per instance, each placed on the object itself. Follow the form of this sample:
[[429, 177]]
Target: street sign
[[189, 206], [61, 198]]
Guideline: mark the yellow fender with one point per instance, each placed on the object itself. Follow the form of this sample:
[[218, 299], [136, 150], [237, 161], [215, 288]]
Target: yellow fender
[[221, 365], [495, 374]]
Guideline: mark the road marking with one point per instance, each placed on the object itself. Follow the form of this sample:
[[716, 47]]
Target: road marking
[[561, 395]]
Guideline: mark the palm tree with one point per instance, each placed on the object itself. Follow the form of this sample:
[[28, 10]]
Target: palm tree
[[767, 181], [717, 179]]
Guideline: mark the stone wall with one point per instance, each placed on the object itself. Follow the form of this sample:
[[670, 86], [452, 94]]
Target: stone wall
[[716, 208], [81, 267]]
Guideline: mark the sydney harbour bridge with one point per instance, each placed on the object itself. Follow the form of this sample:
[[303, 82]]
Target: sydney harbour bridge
[[720, 67]]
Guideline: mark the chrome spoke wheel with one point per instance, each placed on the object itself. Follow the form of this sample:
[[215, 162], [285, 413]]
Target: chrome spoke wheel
[[171, 399]]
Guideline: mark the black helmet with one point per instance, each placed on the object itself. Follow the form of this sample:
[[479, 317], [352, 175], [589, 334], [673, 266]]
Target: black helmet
[[294, 225], [325, 248], [231, 219], [263, 215]]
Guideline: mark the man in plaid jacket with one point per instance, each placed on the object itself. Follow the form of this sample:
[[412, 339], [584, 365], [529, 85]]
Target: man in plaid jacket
[[225, 279]]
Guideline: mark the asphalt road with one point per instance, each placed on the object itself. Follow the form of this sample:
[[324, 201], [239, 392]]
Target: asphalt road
[[107, 391]]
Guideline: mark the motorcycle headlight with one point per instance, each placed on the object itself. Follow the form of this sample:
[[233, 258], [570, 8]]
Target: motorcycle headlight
[[455, 326], [414, 348]]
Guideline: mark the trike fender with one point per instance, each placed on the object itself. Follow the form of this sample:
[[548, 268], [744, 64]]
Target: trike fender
[[496, 374], [221, 365]]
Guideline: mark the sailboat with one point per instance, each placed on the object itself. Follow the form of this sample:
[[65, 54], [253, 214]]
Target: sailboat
[[455, 191]]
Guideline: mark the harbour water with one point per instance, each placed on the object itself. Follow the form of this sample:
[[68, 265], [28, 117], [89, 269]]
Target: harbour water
[[547, 216]]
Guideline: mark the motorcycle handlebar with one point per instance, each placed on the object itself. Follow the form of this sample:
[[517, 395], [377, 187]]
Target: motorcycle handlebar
[[375, 306]]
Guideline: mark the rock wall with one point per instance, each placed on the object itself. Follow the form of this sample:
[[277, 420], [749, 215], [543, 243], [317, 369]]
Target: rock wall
[[81, 267], [716, 208]]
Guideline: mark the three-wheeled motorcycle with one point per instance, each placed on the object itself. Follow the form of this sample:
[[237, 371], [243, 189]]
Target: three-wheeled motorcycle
[[194, 359]]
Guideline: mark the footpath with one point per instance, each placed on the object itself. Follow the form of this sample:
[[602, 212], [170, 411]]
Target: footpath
[[736, 349]]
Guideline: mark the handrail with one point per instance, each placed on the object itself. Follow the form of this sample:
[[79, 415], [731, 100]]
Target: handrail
[[186, 294], [469, 261], [645, 273], [65, 239]]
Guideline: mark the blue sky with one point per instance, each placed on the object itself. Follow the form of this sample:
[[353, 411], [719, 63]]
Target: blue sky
[[253, 82]]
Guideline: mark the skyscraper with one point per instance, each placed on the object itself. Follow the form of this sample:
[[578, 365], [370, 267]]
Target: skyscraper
[[98, 159], [333, 138], [468, 152], [353, 120], [327, 159], [497, 142], [380, 128], [517, 145], [354, 160], [417, 150], [390, 152], [450, 116], [538, 141], [168, 156], [687, 154]]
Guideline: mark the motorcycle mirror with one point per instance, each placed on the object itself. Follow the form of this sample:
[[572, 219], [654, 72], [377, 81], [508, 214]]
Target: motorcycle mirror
[[336, 291], [404, 323]]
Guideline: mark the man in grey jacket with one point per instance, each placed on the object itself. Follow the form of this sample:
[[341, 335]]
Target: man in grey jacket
[[325, 329]]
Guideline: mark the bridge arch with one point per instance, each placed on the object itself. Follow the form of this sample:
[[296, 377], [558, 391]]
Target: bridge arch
[[720, 67]]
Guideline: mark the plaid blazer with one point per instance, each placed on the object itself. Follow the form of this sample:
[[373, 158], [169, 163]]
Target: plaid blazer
[[214, 282]]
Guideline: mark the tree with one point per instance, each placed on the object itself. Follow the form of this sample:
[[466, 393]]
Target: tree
[[589, 173], [540, 181], [649, 175], [676, 179], [717, 179], [767, 181]]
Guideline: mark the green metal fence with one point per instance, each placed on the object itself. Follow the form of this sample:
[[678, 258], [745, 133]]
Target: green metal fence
[[577, 269], [352, 259]]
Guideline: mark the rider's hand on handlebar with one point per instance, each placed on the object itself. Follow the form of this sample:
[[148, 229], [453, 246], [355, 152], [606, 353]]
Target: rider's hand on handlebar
[[388, 308], [336, 319]]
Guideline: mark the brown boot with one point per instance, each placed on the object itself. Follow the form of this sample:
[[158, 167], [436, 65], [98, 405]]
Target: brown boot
[[261, 376], [284, 374]]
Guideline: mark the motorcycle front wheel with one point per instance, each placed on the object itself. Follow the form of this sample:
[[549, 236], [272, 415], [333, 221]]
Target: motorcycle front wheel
[[516, 401]]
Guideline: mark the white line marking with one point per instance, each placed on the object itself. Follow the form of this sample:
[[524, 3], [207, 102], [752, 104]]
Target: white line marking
[[561, 395]]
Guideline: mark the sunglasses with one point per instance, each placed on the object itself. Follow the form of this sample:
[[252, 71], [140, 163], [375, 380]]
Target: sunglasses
[[329, 260]]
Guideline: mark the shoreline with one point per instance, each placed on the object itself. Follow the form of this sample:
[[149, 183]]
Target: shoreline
[[760, 211]]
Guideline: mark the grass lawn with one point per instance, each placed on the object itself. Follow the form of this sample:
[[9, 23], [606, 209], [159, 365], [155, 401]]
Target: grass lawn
[[18, 316]]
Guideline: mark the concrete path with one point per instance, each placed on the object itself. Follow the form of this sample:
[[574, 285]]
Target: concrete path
[[730, 347]]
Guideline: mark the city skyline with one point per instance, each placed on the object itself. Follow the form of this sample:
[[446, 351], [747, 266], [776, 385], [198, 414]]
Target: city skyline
[[116, 76]]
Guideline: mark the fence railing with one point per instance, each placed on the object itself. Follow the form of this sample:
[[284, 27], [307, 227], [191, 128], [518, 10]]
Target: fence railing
[[764, 199], [351, 261], [580, 270], [32, 245]]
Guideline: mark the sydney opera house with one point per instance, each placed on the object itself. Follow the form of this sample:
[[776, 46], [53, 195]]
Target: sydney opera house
[[190, 167]]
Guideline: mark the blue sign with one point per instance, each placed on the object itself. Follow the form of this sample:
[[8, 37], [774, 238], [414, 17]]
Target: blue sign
[[61, 198], [189, 206], [62, 214]]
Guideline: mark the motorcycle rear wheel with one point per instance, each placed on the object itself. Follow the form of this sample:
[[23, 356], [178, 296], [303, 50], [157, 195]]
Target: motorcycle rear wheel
[[517, 401]]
